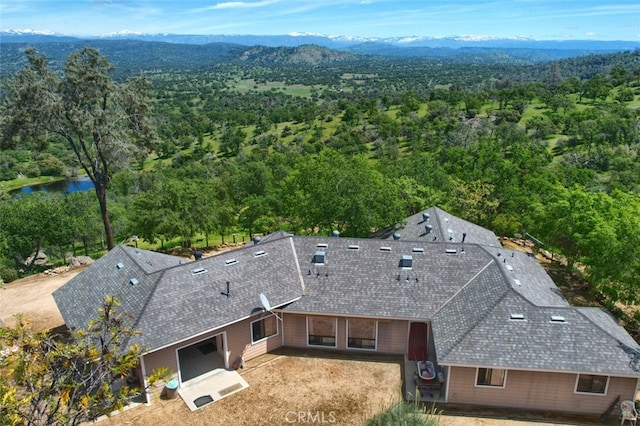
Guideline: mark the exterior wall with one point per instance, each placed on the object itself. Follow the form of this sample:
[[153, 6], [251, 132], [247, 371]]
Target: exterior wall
[[391, 337], [238, 340], [535, 391]]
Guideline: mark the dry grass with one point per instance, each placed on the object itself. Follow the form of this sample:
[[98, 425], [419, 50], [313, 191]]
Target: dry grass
[[291, 385]]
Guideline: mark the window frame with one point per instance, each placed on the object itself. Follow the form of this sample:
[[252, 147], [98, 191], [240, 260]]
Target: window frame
[[261, 320], [375, 335], [490, 386], [335, 332], [586, 392]]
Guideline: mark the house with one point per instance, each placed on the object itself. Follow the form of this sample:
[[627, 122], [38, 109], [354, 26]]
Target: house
[[442, 289]]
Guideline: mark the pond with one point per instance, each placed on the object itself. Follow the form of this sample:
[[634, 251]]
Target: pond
[[82, 184]]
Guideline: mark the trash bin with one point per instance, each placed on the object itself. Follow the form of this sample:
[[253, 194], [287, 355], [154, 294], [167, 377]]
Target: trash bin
[[171, 389]]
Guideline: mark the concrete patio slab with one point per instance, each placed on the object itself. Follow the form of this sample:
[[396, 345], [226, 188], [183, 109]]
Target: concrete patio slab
[[211, 387]]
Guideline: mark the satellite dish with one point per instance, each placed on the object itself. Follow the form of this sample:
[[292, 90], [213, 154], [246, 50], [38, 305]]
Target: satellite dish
[[265, 302]]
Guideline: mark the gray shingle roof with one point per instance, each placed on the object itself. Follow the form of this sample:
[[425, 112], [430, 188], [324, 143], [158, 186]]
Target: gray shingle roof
[[436, 225], [467, 290], [577, 345], [173, 304], [369, 281], [119, 273]]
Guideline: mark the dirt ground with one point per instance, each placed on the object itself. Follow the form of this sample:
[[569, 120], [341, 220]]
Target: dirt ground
[[289, 387]]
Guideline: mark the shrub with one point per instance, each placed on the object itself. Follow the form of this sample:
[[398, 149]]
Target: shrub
[[405, 414]]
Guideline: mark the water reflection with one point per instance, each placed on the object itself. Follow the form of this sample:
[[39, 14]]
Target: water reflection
[[78, 185]]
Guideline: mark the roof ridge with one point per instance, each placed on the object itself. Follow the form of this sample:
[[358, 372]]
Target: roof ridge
[[435, 314], [475, 323], [580, 309], [148, 299]]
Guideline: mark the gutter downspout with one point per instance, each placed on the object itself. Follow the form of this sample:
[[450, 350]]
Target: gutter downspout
[[147, 394]]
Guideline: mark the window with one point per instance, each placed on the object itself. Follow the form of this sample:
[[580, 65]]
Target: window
[[263, 328], [588, 383], [495, 377], [361, 334], [321, 331]]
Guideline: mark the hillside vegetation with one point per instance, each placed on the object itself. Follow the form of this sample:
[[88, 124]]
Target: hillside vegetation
[[308, 140]]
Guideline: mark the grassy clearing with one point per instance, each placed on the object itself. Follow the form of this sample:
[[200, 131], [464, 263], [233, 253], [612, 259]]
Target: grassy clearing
[[10, 185], [248, 85]]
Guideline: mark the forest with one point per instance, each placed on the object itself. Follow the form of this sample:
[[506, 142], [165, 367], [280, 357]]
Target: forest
[[309, 140]]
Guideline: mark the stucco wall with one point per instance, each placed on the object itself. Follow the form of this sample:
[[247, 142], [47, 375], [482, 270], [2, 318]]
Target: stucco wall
[[535, 391], [391, 337], [238, 340]]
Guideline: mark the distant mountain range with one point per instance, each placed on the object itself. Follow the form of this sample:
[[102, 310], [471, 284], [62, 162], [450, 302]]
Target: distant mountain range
[[400, 46], [137, 52]]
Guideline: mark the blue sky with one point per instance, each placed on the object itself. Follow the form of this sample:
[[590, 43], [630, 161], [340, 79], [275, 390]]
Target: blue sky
[[537, 19]]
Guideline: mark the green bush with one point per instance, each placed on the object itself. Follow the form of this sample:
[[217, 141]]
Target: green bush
[[8, 274]]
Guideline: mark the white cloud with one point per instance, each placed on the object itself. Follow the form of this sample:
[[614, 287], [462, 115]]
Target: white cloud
[[241, 5]]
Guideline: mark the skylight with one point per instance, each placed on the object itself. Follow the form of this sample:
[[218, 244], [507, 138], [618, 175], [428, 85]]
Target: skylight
[[259, 253], [318, 258], [406, 262], [451, 251], [418, 250], [517, 317], [323, 245], [557, 318], [230, 262]]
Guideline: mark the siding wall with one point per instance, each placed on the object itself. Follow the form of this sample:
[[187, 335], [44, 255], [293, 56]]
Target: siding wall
[[238, 340], [535, 391], [391, 339]]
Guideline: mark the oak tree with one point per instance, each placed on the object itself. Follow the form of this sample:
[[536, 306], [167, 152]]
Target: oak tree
[[105, 123]]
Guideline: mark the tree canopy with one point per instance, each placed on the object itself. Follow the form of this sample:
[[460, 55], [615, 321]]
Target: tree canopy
[[104, 123], [49, 379]]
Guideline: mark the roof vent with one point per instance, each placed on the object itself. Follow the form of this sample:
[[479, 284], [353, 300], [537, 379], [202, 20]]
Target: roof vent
[[396, 236], [256, 240], [318, 258], [451, 251], [197, 255], [557, 318], [406, 262], [228, 292], [119, 265], [517, 282], [230, 262], [418, 250], [517, 317], [336, 233], [425, 217], [509, 267], [322, 245], [428, 228], [197, 271], [354, 247], [385, 248], [259, 253], [133, 281]]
